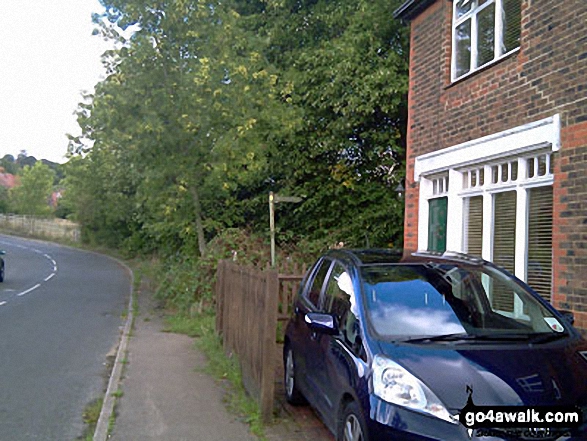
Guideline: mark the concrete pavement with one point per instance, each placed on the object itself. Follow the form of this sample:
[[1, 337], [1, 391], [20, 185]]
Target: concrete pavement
[[165, 396]]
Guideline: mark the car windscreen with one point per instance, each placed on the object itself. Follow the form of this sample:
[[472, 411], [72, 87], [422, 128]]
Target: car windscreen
[[446, 299]]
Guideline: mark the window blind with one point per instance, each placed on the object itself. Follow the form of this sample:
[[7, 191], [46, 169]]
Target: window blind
[[474, 225], [540, 240], [504, 243]]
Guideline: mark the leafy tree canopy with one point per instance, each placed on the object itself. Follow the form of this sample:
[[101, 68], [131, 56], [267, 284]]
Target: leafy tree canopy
[[211, 105]]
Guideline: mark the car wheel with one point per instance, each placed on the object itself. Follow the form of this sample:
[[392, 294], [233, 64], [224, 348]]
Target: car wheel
[[2, 272], [292, 394], [352, 426]]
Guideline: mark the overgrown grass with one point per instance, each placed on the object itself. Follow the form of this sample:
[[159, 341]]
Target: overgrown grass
[[90, 418], [221, 367]]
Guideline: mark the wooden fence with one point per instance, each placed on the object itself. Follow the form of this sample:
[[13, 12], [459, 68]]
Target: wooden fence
[[249, 303], [40, 227]]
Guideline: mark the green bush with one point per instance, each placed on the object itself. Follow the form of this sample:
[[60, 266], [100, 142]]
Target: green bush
[[185, 281]]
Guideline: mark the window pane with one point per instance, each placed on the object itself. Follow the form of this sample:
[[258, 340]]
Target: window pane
[[511, 24], [542, 165], [314, 292], [474, 225], [504, 234], [463, 48], [462, 7], [514, 166], [437, 224], [340, 302], [336, 300], [486, 37], [540, 240]]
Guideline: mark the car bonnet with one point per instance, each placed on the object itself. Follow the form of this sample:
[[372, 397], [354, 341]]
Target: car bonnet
[[499, 375]]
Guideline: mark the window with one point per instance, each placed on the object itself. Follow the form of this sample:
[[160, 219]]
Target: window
[[340, 301], [437, 225], [504, 230], [474, 225], [498, 205], [313, 294], [437, 210], [483, 31], [540, 240]]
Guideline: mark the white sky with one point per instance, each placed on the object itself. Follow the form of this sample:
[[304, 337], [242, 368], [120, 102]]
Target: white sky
[[48, 56]]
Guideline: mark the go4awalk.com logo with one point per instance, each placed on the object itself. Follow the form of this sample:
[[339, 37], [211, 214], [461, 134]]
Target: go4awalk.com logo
[[526, 421]]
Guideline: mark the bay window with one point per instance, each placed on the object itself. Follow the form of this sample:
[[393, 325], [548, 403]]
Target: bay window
[[499, 204]]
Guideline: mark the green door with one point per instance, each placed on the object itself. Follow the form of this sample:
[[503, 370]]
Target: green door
[[437, 224]]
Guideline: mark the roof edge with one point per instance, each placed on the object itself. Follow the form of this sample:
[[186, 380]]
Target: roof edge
[[411, 8]]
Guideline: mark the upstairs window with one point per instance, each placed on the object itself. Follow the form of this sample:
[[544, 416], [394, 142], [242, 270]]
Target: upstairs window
[[483, 31]]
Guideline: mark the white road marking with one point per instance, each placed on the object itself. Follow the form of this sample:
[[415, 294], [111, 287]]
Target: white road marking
[[29, 290], [49, 277]]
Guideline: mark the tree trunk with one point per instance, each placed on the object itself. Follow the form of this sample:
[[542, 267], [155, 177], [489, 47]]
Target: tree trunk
[[198, 216]]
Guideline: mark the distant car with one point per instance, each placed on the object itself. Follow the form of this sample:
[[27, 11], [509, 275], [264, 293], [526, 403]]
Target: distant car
[[392, 348], [2, 265]]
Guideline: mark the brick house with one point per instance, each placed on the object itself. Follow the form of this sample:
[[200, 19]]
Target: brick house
[[497, 138]]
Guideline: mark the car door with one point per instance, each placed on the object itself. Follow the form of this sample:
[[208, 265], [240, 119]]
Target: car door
[[340, 360], [305, 343]]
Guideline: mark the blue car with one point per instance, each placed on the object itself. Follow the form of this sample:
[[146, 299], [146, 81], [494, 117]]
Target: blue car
[[2, 266], [432, 347]]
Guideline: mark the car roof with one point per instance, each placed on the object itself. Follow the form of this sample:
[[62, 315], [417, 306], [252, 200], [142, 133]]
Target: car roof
[[383, 256]]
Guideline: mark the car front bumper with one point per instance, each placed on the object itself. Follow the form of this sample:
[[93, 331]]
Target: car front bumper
[[390, 422]]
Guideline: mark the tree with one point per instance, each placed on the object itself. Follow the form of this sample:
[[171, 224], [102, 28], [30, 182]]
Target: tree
[[4, 200], [33, 193], [179, 111], [209, 106], [345, 66]]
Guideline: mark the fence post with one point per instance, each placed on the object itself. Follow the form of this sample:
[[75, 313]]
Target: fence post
[[269, 351], [220, 280]]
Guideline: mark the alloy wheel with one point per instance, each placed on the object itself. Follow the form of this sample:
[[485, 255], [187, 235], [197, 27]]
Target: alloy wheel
[[289, 374], [352, 429]]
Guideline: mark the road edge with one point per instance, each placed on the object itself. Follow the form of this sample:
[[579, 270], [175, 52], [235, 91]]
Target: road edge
[[103, 424]]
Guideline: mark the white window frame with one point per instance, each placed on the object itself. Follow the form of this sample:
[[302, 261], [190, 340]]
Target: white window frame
[[517, 144], [499, 46]]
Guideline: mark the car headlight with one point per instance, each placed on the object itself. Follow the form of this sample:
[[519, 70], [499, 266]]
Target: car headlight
[[394, 384]]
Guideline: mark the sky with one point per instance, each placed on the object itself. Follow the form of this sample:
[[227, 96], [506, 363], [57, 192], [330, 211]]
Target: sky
[[48, 56]]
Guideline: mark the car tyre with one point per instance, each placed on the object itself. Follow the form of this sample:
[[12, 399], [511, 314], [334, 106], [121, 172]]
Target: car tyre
[[352, 426], [2, 272], [292, 393]]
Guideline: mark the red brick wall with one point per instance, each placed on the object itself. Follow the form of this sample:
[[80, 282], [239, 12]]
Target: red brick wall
[[546, 76], [570, 224]]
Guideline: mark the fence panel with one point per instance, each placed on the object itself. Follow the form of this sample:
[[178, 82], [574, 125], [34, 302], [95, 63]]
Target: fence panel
[[39, 226], [247, 303]]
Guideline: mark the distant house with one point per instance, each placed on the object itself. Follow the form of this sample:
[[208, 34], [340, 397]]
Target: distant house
[[497, 138], [7, 180], [55, 197]]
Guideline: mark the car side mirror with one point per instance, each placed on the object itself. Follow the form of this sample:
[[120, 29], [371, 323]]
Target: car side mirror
[[319, 322], [2, 252], [567, 315]]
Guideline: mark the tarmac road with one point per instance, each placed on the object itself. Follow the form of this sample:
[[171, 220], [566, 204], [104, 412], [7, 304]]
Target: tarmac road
[[60, 316]]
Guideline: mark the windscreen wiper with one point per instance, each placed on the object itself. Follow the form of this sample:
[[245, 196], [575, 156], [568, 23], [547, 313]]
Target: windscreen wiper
[[545, 337], [512, 336]]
